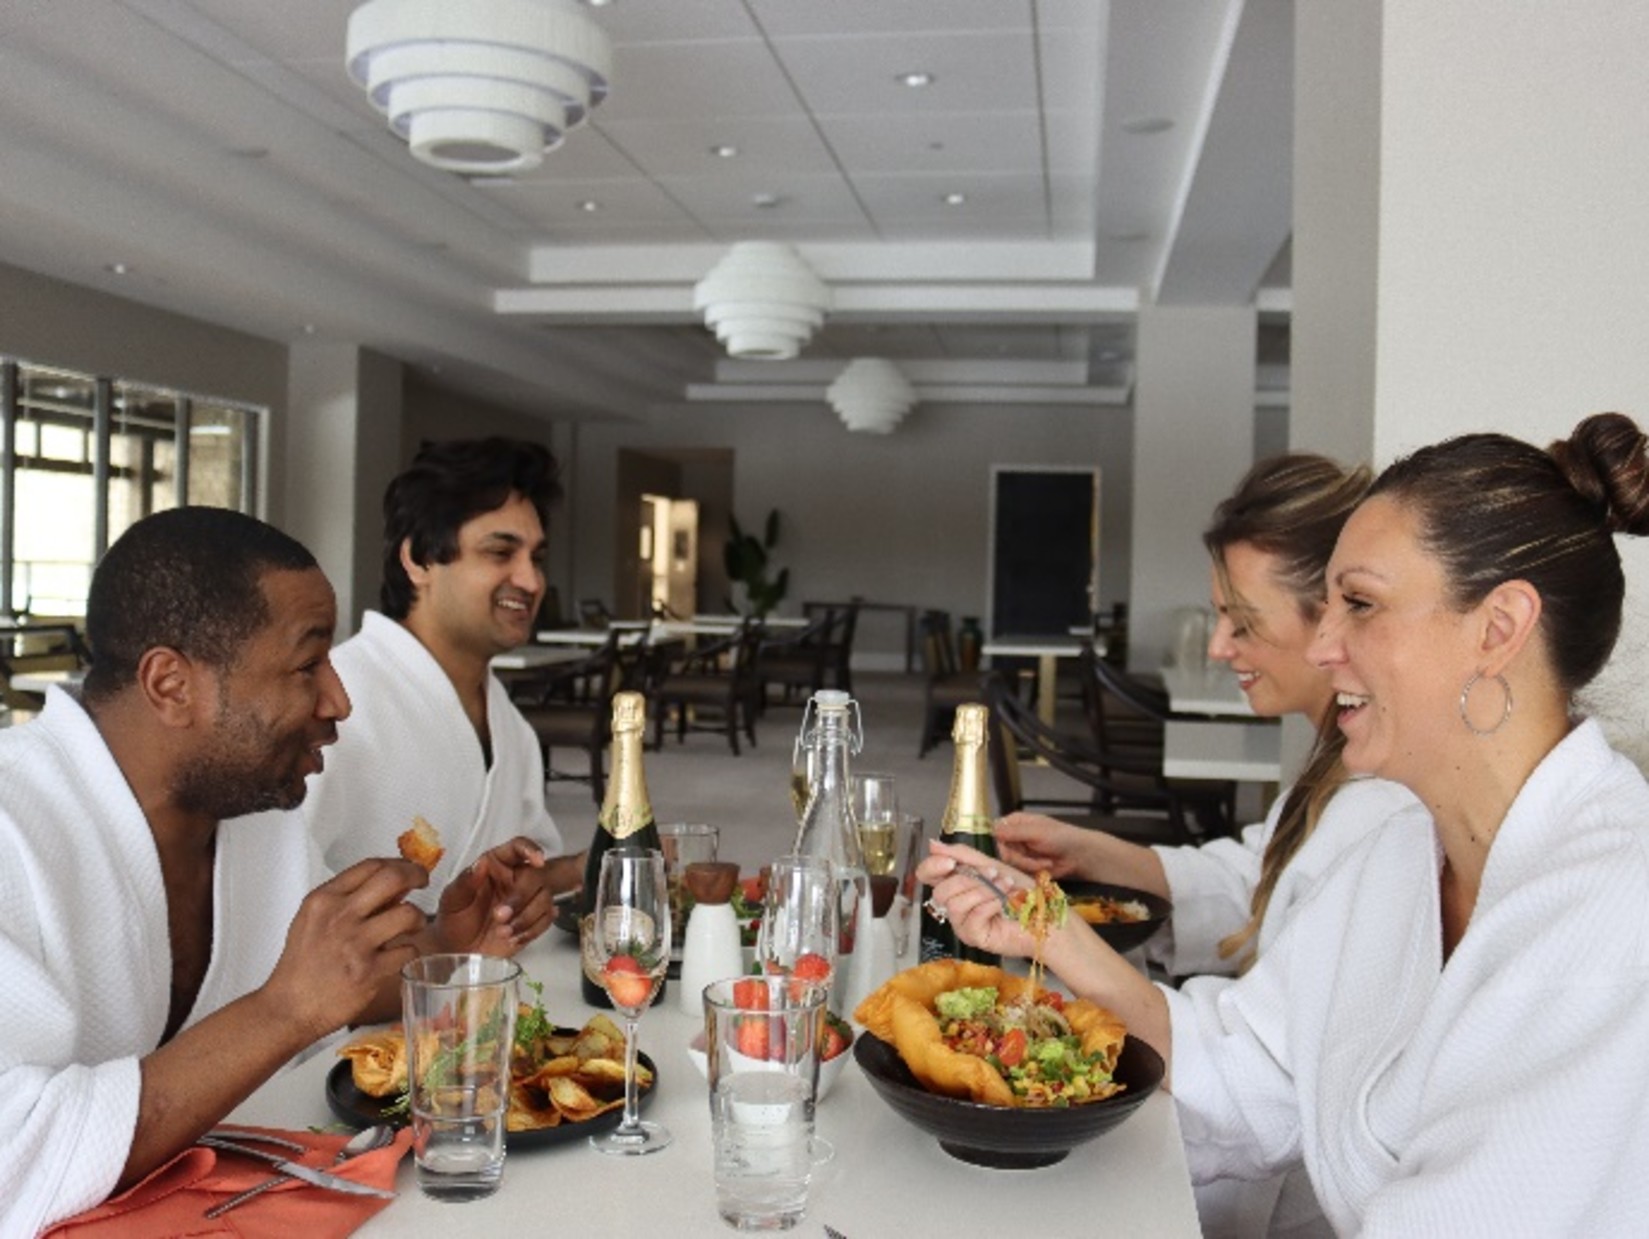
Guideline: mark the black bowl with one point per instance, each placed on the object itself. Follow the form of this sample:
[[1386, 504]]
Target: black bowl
[[1123, 935], [1006, 1137]]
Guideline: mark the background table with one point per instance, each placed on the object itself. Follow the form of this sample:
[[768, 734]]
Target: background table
[[1231, 743], [1047, 651], [887, 1178]]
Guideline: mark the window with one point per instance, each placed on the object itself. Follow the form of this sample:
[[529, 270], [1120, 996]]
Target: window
[[89, 457]]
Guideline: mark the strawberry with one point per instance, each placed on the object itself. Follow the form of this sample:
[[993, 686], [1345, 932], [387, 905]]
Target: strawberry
[[627, 985], [834, 1038], [810, 969], [750, 995], [752, 1038]]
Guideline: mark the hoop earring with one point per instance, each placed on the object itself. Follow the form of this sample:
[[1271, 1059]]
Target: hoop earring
[[1465, 695]]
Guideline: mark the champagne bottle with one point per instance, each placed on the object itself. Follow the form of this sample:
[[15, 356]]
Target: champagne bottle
[[967, 820], [626, 820]]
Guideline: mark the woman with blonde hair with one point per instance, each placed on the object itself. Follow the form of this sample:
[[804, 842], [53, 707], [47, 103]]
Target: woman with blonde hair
[[1449, 1031]]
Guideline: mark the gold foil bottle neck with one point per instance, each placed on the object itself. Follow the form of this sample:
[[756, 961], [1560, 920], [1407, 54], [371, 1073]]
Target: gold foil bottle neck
[[629, 712], [972, 724], [968, 810], [626, 808]]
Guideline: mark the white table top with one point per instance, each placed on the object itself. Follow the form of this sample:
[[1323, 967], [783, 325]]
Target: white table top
[[590, 638], [40, 681], [1249, 752], [527, 656], [1210, 691], [887, 1178], [1012, 646]]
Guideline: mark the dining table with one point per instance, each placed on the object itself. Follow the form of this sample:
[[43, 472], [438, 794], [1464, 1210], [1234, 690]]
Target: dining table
[[1047, 650], [886, 1177]]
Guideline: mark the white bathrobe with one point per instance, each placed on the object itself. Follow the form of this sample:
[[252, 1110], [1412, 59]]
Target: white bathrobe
[[1505, 1093], [408, 749], [1212, 889], [1212, 886], [86, 959]]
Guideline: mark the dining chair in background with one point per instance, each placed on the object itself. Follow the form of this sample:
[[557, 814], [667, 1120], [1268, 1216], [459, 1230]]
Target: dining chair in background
[[947, 685], [708, 687], [569, 705]]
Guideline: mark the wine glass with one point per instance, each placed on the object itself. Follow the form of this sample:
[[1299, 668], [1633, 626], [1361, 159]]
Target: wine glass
[[800, 916], [630, 943], [876, 809]]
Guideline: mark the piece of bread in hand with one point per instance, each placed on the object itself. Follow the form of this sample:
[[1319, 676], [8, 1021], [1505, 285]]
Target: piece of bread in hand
[[421, 845]]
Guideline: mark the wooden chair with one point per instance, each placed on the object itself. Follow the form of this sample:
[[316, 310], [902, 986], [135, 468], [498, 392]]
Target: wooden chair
[[794, 660], [948, 686], [1117, 723], [593, 613], [569, 705], [710, 687], [1141, 810]]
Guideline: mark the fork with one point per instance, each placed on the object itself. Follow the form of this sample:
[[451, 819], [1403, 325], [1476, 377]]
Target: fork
[[1002, 898]]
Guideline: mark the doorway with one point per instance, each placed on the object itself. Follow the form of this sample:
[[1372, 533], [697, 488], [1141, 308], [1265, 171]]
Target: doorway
[[684, 547]]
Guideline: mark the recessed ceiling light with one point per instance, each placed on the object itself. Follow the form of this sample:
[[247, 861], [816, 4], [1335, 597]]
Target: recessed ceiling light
[[589, 204], [955, 199], [1147, 125], [117, 268], [765, 200], [724, 151], [598, 4], [309, 329], [915, 80]]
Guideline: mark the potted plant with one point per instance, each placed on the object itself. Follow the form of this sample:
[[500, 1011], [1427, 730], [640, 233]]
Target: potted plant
[[747, 559]]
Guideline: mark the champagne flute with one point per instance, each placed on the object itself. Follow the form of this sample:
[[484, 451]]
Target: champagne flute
[[630, 944], [876, 809], [799, 918]]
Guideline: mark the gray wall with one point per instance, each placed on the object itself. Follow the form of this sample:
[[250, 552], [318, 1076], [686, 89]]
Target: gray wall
[[901, 518]]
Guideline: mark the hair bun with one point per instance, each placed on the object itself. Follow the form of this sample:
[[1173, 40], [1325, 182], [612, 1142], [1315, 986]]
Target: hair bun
[[1605, 460]]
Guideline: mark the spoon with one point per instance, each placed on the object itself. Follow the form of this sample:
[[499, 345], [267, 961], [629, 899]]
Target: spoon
[[363, 1141]]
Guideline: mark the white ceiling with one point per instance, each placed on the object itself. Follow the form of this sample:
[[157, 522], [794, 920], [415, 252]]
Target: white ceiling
[[218, 151]]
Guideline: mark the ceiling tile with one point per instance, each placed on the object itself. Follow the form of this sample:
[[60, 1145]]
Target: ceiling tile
[[848, 74]]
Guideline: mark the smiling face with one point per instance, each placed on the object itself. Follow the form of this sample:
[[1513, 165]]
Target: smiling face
[[1261, 631], [483, 601], [274, 708], [1397, 655]]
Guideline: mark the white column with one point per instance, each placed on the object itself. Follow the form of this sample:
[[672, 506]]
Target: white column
[[343, 445], [1193, 440], [1511, 272]]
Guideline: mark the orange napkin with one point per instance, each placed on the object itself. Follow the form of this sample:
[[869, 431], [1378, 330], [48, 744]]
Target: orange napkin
[[173, 1200]]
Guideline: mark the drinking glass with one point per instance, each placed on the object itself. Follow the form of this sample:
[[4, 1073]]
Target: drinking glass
[[762, 1058], [804, 762], [630, 941], [799, 916], [683, 843], [459, 1015], [876, 809], [911, 850]]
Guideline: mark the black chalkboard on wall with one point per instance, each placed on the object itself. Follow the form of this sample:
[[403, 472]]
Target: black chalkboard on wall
[[1044, 549]]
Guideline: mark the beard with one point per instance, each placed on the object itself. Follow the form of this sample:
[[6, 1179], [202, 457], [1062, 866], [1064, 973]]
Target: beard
[[248, 768]]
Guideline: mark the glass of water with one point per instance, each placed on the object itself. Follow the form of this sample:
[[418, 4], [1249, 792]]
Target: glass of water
[[459, 1012], [762, 1057]]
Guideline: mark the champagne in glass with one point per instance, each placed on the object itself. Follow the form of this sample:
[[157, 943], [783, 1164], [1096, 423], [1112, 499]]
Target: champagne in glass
[[876, 808], [629, 949]]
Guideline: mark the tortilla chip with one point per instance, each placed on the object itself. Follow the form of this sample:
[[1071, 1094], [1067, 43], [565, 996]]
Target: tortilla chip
[[902, 1013], [378, 1062]]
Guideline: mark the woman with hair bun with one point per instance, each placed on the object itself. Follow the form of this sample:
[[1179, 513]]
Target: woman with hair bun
[[1450, 1031]]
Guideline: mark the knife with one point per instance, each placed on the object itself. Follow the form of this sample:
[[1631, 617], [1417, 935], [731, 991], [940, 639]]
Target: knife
[[297, 1170]]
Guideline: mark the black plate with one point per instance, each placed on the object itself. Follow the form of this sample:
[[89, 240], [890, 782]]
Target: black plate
[[360, 1109], [1124, 935], [1005, 1137]]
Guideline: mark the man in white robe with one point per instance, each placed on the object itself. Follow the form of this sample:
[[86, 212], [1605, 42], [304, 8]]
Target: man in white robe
[[434, 733], [154, 968]]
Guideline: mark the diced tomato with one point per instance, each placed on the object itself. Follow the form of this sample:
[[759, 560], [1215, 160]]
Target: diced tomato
[[1052, 998], [1011, 1049]]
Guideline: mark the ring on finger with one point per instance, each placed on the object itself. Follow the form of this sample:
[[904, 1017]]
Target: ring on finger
[[937, 911]]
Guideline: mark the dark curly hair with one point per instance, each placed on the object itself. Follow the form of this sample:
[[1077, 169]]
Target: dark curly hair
[[188, 579], [448, 484]]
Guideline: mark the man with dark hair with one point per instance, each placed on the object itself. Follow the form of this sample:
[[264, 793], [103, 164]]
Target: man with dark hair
[[435, 734], [155, 969]]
